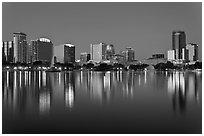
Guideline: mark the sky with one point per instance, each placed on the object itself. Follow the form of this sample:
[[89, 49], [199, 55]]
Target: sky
[[146, 27]]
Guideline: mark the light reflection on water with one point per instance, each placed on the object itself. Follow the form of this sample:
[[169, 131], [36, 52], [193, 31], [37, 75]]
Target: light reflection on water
[[29, 92]]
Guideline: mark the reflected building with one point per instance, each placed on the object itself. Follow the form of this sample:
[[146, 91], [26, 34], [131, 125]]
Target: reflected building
[[181, 87]]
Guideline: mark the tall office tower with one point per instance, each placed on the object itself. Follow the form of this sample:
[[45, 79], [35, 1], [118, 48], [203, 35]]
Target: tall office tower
[[110, 52], [44, 50], [97, 52], [171, 55], [129, 54], [20, 47], [64, 53], [178, 42], [34, 50], [84, 57], [8, 51], [40, 50], [192, 52], [29, 53], [69, 53]]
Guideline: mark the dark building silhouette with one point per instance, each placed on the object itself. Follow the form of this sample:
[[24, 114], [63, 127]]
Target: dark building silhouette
[[69, 53], [158, 56], [41, 50]]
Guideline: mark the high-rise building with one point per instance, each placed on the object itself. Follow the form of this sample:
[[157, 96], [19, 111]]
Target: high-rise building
[[192, 49], [64, 53], [84, 57], [97, 52], [40, 50], [171, 55], [8, 51], [178, 42], [129, 54], [110, 52], [69, 53], [20, 47]]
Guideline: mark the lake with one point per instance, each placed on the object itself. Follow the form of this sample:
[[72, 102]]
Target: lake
[[101, 102]]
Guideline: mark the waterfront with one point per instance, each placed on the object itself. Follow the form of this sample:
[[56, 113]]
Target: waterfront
[[102, 102]]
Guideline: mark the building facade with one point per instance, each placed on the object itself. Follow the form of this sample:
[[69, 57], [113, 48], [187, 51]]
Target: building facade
[[192, 50], [40, 50], [158, 56], [69, 53], [171, 55], [64, 53], [98, 52], [8, 51], [84, 57], [110, 52], [178, 43], [20, 47], [129, 54]]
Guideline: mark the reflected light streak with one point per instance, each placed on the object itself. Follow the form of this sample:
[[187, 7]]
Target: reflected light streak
[[59, 76], [106, 81], [7, 78], [14, 91], [20, 78], [145, 74], [44, 78], [69, 97], [182, 83], [139, 80], [29, 77], [26, 79], [191, 85], [39, 78], [44, 102]]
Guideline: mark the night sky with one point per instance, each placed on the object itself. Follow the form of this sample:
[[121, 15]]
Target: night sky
[[146, 27]]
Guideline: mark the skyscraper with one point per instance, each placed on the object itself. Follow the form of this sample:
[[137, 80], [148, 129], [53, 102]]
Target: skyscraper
[[64, 53], [97, 52], [178, 42], [110, 52], [69, 53], [192, 52], [20, 47], [40, 50], [129, 54], [8, 51]]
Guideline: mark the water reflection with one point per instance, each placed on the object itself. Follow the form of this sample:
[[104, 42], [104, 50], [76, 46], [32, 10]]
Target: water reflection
[[26, 91]]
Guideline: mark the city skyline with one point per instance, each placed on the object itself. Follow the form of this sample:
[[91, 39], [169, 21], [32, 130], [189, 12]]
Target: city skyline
[[119, 24]]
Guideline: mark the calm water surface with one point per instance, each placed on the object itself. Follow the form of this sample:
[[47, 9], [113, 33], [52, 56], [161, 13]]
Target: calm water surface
[[98, 102]]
